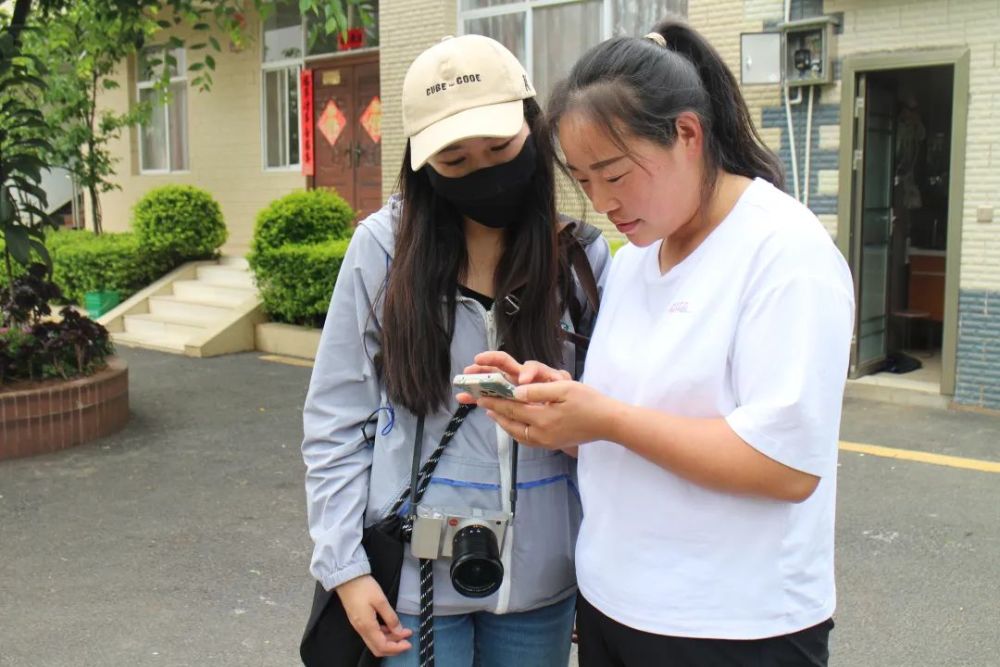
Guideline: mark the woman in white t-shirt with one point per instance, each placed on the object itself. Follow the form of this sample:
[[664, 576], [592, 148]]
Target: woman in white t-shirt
[[707, 419]]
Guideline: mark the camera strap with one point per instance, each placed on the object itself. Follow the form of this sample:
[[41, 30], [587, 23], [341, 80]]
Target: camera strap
[[420, 478]]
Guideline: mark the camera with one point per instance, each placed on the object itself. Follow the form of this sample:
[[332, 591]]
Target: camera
[[471, 537]]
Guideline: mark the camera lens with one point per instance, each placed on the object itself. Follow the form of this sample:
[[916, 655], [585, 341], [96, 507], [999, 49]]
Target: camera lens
[[476, 570]]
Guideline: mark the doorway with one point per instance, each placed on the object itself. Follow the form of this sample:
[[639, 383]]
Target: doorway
[[903, 232], [347, 112]]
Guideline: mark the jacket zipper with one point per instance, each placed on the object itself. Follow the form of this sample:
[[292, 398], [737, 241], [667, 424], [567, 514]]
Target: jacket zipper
[[504, 446]]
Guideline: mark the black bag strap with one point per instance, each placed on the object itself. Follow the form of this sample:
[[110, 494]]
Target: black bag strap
[[575, 236]]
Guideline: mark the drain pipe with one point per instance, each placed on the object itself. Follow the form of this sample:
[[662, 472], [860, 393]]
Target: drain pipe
[[809, 125], [788, 117]]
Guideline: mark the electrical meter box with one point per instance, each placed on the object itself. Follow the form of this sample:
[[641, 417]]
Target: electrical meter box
[[807, 57], [760, 58]]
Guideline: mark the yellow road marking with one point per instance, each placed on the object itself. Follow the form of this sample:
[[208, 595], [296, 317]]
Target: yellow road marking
[[291, 361], [922, 457]]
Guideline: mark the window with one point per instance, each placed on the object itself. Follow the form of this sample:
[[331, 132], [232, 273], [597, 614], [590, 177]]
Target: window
[[281, 117], [548, 36], [163, 144], [287, 43]]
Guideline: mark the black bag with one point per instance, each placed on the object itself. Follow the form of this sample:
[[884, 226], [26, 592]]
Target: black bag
[[330, 639]]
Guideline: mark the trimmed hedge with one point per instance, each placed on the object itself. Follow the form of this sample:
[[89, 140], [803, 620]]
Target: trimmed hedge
[[298, 245], [83, 261], [182, 221], [313, 216], [296, 280]]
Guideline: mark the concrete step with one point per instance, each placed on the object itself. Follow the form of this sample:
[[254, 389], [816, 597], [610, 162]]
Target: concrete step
[[226, 276], [175, 308], [234, 262], [162, 343], [156, 326], [217, 295]]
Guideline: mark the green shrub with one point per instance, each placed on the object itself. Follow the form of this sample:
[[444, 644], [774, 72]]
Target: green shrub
[[83, 262], [616, 244], [314, 216], [180, 220], [296, 280]]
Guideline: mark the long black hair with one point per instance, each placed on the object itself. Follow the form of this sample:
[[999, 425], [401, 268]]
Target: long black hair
[[635, 86], [418, 317]]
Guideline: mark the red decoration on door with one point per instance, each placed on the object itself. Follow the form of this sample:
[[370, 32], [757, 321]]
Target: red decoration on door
[[371, 119], [331, 122], [308, 128]]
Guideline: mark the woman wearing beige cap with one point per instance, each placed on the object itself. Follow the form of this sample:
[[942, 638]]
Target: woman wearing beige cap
[[470, 255]]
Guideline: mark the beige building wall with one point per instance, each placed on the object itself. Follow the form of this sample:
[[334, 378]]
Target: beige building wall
[[894, 25], [224, 142], [975, 24], [407, 28]]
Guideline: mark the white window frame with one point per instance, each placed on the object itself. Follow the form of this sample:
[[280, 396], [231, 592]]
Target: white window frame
[[299, 65], [526, 7], [180, 54]]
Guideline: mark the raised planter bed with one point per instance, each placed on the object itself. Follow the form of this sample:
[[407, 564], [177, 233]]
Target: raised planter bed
[[48, 416], [288, 339]]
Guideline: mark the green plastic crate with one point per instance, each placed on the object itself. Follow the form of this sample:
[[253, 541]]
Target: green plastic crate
[[98, 303]]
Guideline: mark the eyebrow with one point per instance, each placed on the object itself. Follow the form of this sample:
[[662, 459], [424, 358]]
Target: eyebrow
[[599, 165]]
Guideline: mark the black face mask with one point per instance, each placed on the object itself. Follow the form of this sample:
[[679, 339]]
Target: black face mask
[[493, 196]]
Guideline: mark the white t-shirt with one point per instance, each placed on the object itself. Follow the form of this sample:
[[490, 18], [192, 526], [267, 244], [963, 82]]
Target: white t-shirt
[[754, 326]]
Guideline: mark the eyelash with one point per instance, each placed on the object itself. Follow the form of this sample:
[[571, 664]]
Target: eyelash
[[495, 149], [584, 181]]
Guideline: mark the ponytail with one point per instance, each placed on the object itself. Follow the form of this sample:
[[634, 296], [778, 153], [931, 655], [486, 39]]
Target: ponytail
[[638, 86]]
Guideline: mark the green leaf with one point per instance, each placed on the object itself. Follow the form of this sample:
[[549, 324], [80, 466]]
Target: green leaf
[[202, 26], [305, 6], [195, 67], [34, 142], [176, 43], [42, 252], [111, 84], [197, 47], [215, 43], [210, 61], [19, 243], [35, 211], [8, 209], [163, 24]]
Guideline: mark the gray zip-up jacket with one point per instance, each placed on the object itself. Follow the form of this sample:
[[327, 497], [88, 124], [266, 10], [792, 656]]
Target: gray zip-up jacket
[[350, 484]]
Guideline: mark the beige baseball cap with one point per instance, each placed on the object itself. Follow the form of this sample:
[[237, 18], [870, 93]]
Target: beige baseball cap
[[462, 87]]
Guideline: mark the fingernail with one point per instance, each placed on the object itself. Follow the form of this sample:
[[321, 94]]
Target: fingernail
[[520, 393]]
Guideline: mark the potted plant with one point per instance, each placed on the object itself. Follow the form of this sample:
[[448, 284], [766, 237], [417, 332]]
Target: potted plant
[[351, 20], [59, 384]]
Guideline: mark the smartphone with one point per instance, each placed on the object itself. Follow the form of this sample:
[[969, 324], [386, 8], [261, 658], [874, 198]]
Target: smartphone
[[492, 385]]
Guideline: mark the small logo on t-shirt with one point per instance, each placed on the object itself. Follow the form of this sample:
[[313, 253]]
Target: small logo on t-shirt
[[680, 307]]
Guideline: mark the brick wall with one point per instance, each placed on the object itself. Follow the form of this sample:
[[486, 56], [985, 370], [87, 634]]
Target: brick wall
[[408, 27], [978, 377], [885, 26]]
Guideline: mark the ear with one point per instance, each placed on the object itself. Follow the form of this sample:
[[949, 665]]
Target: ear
[[690, 133]]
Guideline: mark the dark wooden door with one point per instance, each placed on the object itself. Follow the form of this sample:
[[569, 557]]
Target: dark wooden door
[[348, 140]]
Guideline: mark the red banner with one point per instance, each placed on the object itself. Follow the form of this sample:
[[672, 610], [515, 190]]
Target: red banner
[[308, 126]]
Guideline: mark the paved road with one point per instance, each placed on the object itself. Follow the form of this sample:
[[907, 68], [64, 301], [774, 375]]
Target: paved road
[[181, 541]]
